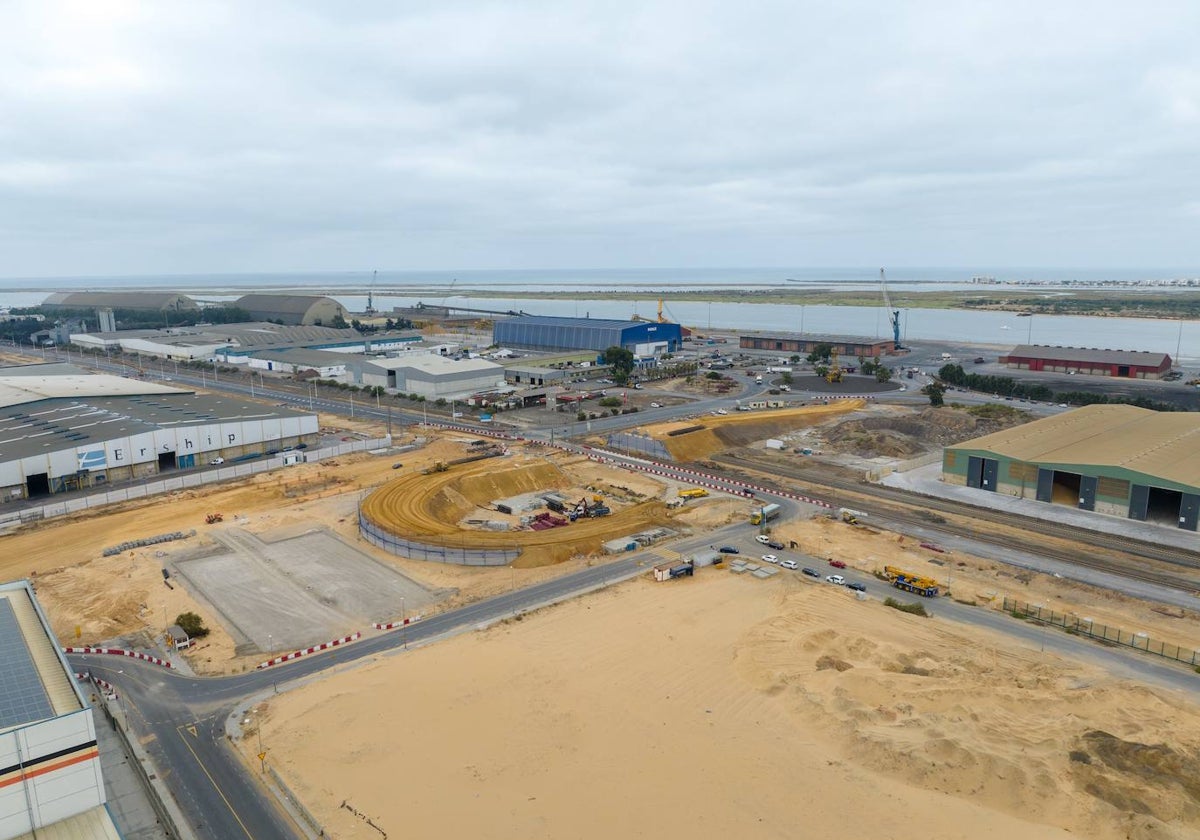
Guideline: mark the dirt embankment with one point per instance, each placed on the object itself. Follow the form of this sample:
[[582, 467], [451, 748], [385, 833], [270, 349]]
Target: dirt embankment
[[898, 432], [429, 507]]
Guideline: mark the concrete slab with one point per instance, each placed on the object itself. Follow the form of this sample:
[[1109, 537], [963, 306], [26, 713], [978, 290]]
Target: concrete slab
[[298, 591]]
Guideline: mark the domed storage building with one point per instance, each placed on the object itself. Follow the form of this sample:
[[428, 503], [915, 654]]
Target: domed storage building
[[292, 309]]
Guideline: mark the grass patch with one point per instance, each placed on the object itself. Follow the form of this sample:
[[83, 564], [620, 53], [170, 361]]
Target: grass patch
[[911, 609]]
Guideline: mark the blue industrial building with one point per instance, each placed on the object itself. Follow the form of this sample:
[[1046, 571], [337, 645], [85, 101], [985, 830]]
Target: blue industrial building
[[544, 332]]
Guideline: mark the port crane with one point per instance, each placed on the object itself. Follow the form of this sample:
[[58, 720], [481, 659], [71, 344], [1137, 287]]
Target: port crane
[[893, 314]]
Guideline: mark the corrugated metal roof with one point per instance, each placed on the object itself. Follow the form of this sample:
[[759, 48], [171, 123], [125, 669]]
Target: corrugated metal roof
[[292, 304], [121, 300], [1090, 354], [93, 824], [21, 390], [584, 323], [1164, 444], [435, 364], [822, 338], [41, 651]]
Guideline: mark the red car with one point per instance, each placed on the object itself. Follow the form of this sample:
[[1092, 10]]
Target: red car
[[837, 564]]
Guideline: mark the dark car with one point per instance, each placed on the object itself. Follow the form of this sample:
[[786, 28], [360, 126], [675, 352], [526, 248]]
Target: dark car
[[857, 587], [778, 546], [811, 572], [728, 549]]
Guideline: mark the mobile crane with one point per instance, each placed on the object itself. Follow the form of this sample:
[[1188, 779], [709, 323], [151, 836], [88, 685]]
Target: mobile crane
[[893, 314]]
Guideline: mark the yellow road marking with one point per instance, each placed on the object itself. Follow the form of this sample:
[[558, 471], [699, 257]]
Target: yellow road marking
[[213, 782]]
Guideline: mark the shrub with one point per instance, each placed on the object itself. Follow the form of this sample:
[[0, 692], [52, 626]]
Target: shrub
[[192, 624], [581, 416], [912, 609]]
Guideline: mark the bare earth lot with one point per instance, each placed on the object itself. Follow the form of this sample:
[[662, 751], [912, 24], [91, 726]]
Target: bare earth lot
[[723, 706]]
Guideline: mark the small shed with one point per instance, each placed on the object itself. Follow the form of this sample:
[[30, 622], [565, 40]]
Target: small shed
[[177, 639]]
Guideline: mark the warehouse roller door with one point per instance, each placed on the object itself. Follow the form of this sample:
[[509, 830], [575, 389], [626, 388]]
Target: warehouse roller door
[[1087, 492], [1189, 511], [1139, 501]]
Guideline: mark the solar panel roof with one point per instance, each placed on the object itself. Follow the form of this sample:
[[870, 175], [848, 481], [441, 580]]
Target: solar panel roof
[[23, 698]]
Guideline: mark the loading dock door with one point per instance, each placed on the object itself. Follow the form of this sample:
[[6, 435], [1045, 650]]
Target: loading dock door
[[1087, 492], [1139, 501], [974, 471], [1189, 511], [991, 473], [1045, 488]]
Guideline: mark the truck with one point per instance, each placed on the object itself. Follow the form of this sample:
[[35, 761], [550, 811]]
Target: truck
[[928, 587], [693, 493], [764, 514], [778, 369]]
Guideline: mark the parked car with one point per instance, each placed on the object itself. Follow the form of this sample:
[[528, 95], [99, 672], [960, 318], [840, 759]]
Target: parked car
[[770, 558], [397, 465], [217, 461], [837, 564], [637, 386], [857, 587], [789, 564], [836, 579], [763, 538], [775, 544], [728, 549], [811, 572]]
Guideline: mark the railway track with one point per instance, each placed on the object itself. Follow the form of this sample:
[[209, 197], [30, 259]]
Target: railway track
[[905, 507]]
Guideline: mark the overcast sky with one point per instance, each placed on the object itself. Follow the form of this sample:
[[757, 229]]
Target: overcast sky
[[159, 137]]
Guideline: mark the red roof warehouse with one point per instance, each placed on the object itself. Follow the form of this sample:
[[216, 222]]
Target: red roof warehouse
[[1135, 364]]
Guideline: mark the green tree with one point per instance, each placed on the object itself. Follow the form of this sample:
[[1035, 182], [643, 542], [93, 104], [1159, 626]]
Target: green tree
[[883, 373], [338, 322], [191, 624], [787, 378], [822, 352], [621, 361], [935, 392], [610, 402]]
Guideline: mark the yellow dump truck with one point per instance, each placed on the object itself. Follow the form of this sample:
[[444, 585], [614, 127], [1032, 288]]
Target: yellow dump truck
[[693, 493]]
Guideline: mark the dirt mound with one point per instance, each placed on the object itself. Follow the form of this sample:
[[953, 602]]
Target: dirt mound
[[895, 432], [743, 428]]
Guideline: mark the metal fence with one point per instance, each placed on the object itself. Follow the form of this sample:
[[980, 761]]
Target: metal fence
[[184, 481], [458, 555], [1103, 632]]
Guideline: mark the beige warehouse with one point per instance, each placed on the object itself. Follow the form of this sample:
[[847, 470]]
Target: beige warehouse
[[1115, 459]]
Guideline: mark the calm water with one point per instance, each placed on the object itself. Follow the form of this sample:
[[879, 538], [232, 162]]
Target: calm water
[[996, 328]]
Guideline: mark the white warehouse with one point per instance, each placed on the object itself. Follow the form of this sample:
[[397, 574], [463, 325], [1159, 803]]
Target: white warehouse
[[68, 431], [434, 377]]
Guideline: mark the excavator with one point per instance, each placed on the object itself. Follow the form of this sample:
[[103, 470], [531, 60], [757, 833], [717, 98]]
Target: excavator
[[835, 372]]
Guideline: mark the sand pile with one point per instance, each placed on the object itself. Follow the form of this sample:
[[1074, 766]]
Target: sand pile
[[742, 427], [729, 706]]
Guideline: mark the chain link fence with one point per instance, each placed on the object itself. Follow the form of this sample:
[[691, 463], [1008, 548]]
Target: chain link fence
[[1102, 632]]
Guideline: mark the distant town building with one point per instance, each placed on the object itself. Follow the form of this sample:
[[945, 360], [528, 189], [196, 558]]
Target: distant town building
[[1133, 364], [293, 309]]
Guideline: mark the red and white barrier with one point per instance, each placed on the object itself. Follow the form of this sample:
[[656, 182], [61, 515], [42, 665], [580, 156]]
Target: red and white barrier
[[392, 625], [296, 654], [120, 652], [108, 687]]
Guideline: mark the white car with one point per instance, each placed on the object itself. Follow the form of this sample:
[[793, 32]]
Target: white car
[[836, 579], [217, 461], [770, 558], [763, 538], [789, 564], [656, 405], [722, 411]]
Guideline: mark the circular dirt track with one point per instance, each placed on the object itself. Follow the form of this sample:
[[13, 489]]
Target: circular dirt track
[[427, 508]]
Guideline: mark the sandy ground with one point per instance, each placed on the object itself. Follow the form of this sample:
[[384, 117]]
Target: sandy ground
[[91, 598], [732, 707]]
